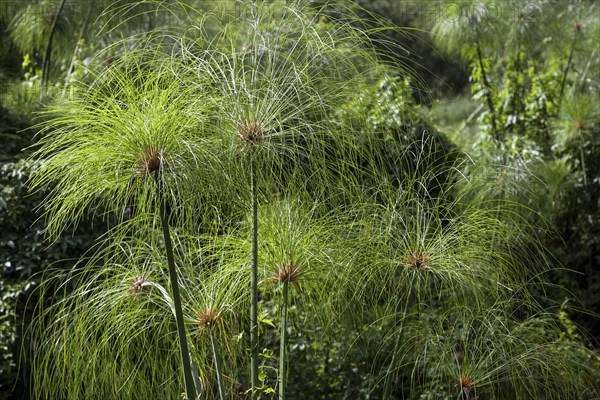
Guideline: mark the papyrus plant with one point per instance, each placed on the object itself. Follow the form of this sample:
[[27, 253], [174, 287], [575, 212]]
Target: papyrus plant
[[300, 265], [467, 271], [124, 146], [204, 139], [237, 104], [279, 77]]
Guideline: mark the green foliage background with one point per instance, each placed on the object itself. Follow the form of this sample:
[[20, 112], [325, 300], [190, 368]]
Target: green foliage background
[[522, 105]]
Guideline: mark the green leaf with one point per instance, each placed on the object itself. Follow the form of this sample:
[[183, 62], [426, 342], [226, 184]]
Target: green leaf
[[262, 376], [262, 318]]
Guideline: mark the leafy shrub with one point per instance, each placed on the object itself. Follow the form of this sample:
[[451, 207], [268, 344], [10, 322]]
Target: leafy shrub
[[25, 254]]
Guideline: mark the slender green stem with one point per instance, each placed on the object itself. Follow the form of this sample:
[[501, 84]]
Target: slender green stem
[[566, 71], [488, 89], [183, 345], [399, 322], [254, 284], [76, 50], [197, 382], [582, 157], [283, 341], [48, 53], [215, 350]]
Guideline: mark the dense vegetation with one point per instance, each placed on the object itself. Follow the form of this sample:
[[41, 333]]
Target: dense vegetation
[[299, 199]]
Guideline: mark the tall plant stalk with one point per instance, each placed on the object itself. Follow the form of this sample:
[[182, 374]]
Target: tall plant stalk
[[75, 51], [563, 81], [183, 345], [581, 156], [488, 89], [254, 284], [283, 340], [215, 350], [398, 322], [48, 52]]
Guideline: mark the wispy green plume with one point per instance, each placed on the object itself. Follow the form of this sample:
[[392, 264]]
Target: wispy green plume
[[100, 148]]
